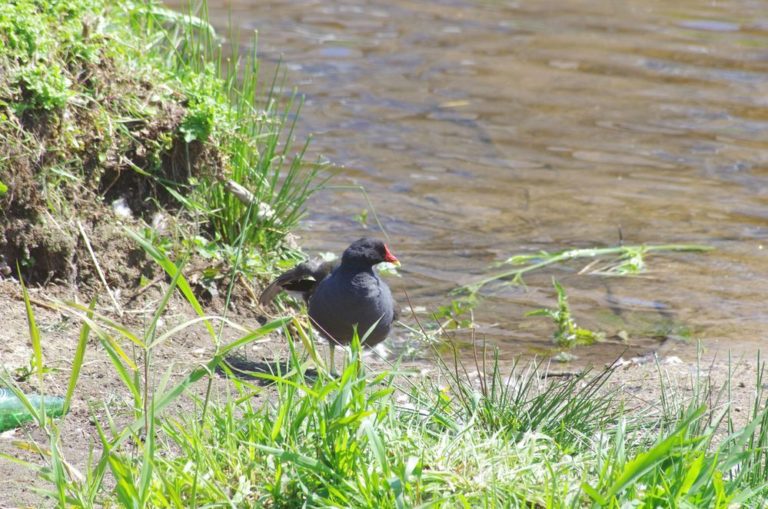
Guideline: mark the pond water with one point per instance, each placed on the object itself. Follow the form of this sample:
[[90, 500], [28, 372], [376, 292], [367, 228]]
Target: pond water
[[483, 129]]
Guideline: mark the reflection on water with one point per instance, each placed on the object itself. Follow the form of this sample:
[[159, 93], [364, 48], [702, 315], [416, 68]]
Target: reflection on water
[[484, 129]]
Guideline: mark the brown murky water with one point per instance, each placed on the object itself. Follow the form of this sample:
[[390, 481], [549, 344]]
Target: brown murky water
[[483, 129]]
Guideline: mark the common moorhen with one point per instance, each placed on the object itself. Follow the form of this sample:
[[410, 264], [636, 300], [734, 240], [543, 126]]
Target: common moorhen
[[345, 296]]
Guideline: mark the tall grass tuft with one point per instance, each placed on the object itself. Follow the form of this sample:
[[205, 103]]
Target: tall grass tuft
[[250, 127]]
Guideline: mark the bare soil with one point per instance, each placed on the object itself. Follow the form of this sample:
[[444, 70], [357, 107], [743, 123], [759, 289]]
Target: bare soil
[[64, 169]]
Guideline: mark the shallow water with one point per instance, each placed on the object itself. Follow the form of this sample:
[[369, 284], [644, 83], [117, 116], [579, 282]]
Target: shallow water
[[485, 129]]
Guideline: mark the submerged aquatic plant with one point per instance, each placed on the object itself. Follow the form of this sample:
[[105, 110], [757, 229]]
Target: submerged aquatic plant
[[616, 261]]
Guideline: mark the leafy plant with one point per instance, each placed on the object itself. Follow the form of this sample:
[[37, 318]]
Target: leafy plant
[[198, 123], [24, 373]]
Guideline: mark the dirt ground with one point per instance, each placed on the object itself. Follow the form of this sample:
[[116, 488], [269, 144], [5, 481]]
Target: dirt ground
[[100, 389]]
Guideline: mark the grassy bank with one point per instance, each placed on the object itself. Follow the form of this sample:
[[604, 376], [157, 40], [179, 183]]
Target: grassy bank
[[127, 113], [287, 434]]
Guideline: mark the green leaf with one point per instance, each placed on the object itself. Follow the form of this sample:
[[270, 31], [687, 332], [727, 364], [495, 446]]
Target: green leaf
[[694, 468], [593, 494], [644, 462]]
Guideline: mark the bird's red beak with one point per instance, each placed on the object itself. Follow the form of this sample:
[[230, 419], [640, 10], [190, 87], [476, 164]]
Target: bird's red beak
[[389, 257]]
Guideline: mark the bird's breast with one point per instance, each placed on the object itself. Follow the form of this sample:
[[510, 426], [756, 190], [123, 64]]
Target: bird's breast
[[362, 300]]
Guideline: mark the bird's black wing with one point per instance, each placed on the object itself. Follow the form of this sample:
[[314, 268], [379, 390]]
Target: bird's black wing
[[303, 278]]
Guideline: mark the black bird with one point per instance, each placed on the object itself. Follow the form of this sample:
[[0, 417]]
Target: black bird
[[344, 297]]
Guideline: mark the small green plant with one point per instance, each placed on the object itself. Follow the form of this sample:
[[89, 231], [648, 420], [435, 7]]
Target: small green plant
[[198, 123], [567, 334], [457, 314], [24, 373], [44, 86], [362, 218]]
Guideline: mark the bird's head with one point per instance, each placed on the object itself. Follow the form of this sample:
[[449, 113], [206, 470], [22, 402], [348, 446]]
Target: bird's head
[[368, 252]]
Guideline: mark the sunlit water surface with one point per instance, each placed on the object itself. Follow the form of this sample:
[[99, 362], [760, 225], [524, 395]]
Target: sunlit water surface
[[484, 129]]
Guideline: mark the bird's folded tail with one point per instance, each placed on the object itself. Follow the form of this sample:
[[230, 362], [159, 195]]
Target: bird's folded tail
[[302, 278]]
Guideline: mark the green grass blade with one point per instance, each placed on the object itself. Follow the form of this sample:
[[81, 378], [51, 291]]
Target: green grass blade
[[594, 494], [172, 270], [145, 478], [77, 362], [91, 317], [256, 334], [160, 309], [37, 349], [57, 469]]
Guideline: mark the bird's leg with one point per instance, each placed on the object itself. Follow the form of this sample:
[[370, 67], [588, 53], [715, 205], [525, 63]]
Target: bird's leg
[[331, 357]]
